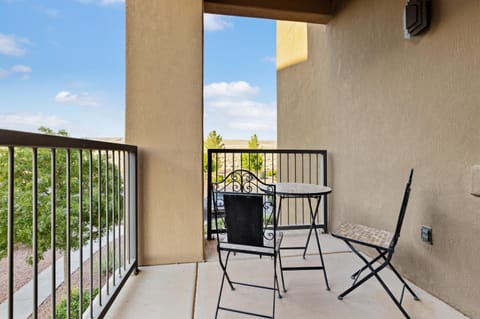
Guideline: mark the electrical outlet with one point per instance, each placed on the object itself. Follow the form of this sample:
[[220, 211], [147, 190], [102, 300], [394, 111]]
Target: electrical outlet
[[426, 234]]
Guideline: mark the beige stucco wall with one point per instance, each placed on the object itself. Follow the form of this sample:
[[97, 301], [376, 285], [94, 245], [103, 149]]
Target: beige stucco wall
[[381, 104], [164, 118], [292, 44]]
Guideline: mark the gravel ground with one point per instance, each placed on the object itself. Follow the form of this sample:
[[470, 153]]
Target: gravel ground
[[24, 273], [23, 270]]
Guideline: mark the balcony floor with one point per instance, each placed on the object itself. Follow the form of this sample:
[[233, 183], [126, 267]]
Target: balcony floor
[[191, 290]]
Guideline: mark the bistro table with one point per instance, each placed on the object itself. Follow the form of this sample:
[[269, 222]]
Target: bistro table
[[309, 192]]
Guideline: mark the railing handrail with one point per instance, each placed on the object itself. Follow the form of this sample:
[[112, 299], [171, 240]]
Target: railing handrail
[[267, 150], [40, 140]]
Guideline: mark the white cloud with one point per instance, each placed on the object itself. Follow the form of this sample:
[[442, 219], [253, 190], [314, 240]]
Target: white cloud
[[231, 108], [102, 2], [24, 70], [84, 99], [246, 114], [28, 121], [21, 69], [12, 45], [239, 89], [213, 22]]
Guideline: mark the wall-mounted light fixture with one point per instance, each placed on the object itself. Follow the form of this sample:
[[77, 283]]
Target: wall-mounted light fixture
[[416, 17]]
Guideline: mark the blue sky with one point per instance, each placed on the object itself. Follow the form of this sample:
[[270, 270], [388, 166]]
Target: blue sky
[[62, 65], [240, 77]]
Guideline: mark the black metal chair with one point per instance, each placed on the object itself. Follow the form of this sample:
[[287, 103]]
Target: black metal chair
[[384, 243], [246, 224]]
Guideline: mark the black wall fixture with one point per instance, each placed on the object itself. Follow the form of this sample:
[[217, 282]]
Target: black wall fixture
[[416, 17]]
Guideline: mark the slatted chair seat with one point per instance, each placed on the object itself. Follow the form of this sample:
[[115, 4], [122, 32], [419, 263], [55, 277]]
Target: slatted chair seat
[[365, 235], [267, 249]]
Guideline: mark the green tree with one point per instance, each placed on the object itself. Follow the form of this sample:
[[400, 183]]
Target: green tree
[[213, 141], [23, 198], [252, 161]]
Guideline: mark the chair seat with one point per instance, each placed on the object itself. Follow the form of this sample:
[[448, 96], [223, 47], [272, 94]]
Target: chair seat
[[267, 247], [365, 234]]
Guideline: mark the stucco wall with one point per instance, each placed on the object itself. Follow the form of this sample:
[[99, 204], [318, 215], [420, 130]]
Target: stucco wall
[[164, 118], [380, 105], [292, 44]]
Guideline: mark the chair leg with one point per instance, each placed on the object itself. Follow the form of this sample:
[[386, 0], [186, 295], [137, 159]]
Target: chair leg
[[224, 268], [281, 271], [389, 292], [275, 289], [355, 286], [358, 272], [219, 296], [373, 273], [273, 299], [225, 275], [276, 286], [364, 279], [405, 284]]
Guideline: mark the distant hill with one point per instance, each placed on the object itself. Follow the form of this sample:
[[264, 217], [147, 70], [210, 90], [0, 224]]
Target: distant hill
[[119, 140], [244, 144]]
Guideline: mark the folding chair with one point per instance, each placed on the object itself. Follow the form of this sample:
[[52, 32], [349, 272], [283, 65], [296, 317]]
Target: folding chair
[[246, 223], [384, 243]]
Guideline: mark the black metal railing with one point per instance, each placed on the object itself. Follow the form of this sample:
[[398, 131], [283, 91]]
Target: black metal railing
[[67, 198], [271, 166]]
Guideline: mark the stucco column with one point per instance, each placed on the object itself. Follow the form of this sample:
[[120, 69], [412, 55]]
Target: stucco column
[[164, 116]]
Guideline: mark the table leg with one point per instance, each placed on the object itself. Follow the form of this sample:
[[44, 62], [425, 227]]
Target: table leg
[[279, 210], [313, 215]]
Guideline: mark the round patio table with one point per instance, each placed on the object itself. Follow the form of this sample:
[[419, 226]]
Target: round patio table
[[309, 192]]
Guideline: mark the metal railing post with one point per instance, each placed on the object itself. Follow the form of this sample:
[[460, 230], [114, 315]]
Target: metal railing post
[[35, 230], [53, 201], [11, 200], [209, 195], [133, 199], [325, 198]]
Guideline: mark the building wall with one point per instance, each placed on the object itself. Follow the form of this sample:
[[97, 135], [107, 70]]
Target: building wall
[[292, 44], [164, 118], [381, 104]]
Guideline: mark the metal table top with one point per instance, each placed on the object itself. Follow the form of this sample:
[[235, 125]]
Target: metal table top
[[301, 189]]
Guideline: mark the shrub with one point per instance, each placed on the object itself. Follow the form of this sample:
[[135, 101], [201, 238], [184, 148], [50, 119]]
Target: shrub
[[61, 311]]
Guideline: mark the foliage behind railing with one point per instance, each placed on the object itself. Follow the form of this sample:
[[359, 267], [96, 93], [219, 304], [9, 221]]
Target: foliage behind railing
[[70, 195], [271, 166]]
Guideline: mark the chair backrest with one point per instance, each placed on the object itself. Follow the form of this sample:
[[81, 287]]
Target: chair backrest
[[244, 218], [248, 208], [403, 210]]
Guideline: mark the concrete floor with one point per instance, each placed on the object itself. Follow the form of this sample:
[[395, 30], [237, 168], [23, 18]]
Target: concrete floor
[[191, 290]]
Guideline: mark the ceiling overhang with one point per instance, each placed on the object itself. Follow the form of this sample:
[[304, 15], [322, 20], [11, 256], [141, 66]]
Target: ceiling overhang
[[312, 11]]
